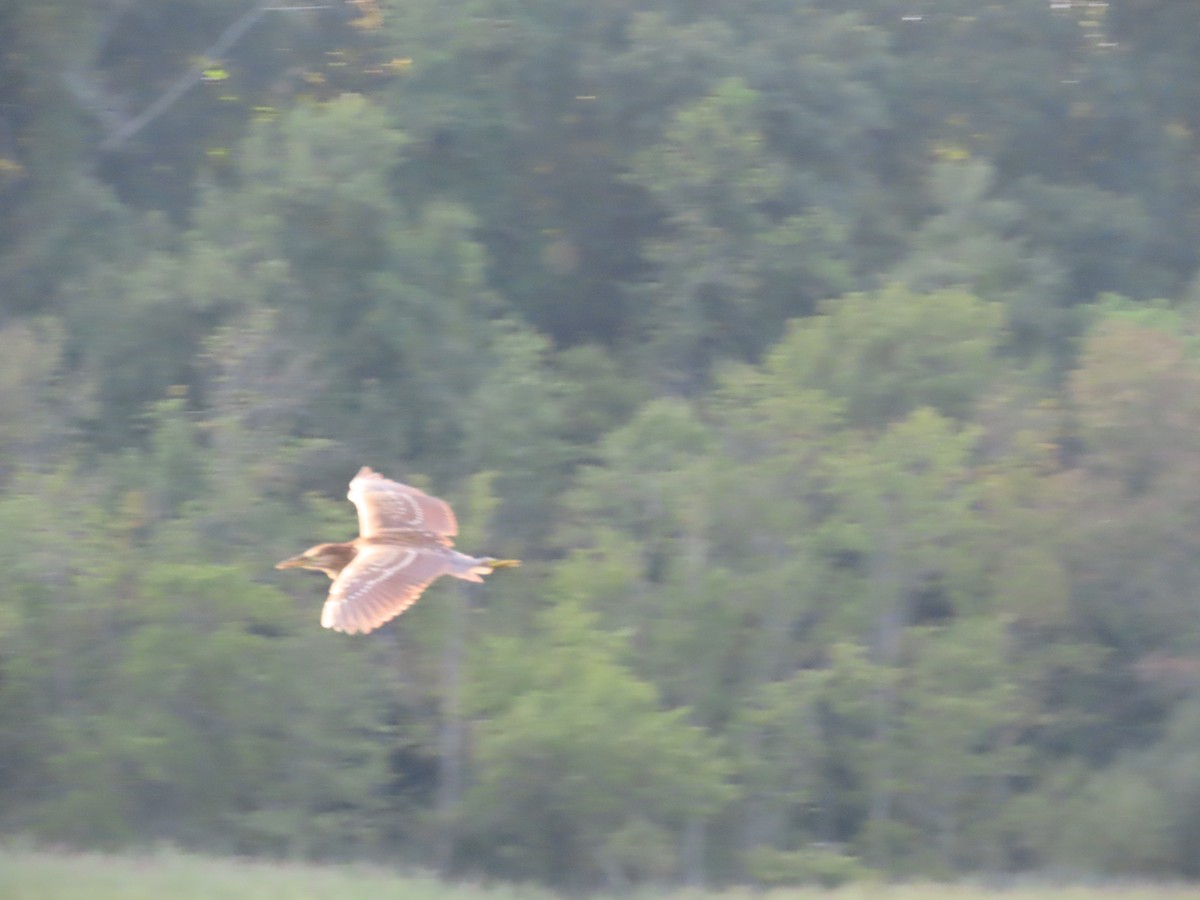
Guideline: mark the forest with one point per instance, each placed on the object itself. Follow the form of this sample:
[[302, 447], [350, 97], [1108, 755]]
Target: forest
[[833, 367]]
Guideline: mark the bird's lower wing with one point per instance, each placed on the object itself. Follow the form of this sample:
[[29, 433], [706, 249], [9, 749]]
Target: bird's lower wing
[[383, 581]]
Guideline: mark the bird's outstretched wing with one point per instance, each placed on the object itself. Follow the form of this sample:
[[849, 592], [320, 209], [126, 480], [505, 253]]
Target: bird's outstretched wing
[[385, 505], [381, 582]]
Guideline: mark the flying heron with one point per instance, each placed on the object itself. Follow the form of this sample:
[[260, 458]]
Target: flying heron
[[405, 543]]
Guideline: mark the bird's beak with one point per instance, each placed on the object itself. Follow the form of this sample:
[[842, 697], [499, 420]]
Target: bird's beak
[[294, 562]]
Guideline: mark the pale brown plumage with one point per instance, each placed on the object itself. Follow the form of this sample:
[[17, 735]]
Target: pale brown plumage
[[405, 543]]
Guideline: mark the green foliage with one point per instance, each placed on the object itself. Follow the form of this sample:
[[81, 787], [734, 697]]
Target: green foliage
[[970, 243], [253, 765], [824, 866], [514, 425], [956, 739], [731, 269], [575, 749], [887, 354], [1138, 815], [30, 408]]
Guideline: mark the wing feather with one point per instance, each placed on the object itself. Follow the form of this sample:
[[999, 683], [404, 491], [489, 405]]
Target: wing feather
[[381, 582], [385, 505]]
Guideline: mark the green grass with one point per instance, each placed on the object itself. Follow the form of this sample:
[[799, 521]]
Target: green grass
[[173, 875], [28, 874]]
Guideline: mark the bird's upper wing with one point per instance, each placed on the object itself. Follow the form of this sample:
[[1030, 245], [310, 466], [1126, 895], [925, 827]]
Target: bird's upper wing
[[385, 505], [381, 582]]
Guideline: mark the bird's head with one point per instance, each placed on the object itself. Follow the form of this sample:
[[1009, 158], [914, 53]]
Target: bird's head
[[327, 558]]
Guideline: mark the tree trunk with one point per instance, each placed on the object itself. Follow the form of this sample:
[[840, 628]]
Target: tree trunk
[[691, 853], [450, 732]]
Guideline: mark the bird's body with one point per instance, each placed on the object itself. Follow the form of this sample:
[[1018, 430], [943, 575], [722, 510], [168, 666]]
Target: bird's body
[[405, 542]]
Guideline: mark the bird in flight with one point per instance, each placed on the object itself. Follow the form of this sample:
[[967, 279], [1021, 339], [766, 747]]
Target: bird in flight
[[405, 543]]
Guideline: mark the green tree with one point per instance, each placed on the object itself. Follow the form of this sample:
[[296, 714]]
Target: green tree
[[729, 269], [208, 733], [1129, 505], [514, 425], [33, 407], [886, 354], [574, 749], [974, 242], [956, 747]]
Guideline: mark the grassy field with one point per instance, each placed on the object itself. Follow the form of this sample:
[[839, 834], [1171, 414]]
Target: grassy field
[[27, 874]]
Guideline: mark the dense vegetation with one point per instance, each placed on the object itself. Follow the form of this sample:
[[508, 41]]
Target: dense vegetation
[[837, 374]]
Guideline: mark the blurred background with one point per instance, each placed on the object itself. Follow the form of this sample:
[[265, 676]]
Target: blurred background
[[833, 366]]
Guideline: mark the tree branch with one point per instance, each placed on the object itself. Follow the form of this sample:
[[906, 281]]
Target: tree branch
[[108, 108], [188, 79]]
